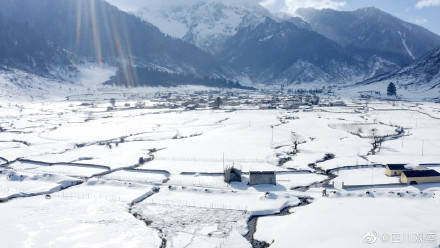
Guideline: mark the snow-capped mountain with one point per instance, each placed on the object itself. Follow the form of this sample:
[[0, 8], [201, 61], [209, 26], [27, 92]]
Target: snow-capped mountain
[[210, 42], [99, 31], [372, 31], [289, 52], [95, 31], [247, 39], [204, 23]]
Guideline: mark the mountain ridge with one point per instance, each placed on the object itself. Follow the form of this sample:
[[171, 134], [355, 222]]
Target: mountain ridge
[[205, 23], [223, 42], [96, 31], [373, 30], [424, 72]]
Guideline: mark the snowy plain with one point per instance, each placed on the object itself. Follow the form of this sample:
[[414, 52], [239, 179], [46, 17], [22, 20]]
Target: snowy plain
[[71, 174]]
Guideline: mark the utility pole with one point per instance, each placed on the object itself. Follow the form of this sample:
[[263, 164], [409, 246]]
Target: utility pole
[[423, 147], [272, 135]]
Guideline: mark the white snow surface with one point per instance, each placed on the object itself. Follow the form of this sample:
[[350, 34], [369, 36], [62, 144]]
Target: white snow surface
[[353, 222], [181, 190], [365, 176], [87, 216], [406, 46]]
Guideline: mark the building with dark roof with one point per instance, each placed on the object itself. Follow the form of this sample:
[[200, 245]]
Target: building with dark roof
[[392, 170], [420, 176], [232, 174]]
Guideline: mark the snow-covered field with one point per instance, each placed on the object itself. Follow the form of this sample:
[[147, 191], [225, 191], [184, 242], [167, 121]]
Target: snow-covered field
[[17, 183], [356, 222], [85, 174], [364, 176], [86, 216]]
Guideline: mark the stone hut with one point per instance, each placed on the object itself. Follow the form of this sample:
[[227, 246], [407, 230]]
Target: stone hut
[[262, 177]]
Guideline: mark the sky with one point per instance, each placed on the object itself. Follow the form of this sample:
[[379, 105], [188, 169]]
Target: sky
[[422, 12]]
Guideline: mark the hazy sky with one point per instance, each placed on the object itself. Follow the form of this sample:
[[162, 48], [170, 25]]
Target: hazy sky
[[423, 12]]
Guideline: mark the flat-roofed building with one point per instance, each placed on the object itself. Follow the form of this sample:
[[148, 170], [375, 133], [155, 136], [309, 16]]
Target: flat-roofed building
[[420, 176], [392, 170], [262, 177]]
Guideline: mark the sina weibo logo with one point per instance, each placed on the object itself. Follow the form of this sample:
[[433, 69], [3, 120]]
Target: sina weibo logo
[[370, 238]]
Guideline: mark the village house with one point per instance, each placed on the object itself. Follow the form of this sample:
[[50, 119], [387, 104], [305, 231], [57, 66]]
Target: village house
[[338, 104], [392, 170], [232, 174], [420, 176], [262, 177]]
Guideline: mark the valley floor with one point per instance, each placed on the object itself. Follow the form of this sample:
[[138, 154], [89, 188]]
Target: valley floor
[[92, 175]]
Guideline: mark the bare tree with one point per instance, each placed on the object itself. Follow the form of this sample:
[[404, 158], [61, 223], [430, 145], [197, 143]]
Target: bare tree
[[296, 140], [377, 141]]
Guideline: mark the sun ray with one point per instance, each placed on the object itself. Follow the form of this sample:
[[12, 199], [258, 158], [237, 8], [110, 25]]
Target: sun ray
[[78, 26], [96, 34]]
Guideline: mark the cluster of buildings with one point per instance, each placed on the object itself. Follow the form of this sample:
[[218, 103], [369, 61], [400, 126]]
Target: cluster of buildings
[[245, 99], [407, 175], [412, 176], [200, 100]]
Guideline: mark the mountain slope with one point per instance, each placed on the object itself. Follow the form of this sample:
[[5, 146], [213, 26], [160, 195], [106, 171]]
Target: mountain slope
[[282, 52], [247, 39], [423, 73], [370, 30], [204, 23], [97, 31], [23, 48], [247, 42]]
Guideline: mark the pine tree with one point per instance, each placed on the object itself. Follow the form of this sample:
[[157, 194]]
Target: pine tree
[[391, 90], [218, 102], [113, 102]]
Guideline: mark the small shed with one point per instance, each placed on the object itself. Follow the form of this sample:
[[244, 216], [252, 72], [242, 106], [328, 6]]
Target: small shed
[[232, 174], [338, 104], [262, 177], [392, 170], [420, 176]]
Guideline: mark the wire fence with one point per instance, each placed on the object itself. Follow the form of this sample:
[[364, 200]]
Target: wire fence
[[90, 196], [215, 160], [198, 204]]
